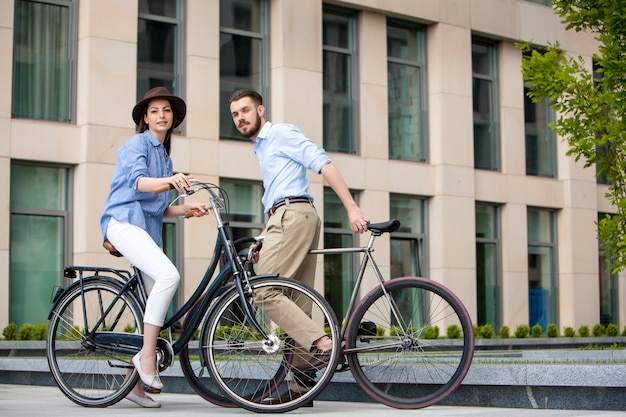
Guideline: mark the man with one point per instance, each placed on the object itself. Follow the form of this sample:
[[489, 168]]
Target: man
[[293, 226]]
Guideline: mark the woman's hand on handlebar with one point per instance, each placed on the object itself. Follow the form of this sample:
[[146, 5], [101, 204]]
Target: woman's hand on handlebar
[[188, 210]]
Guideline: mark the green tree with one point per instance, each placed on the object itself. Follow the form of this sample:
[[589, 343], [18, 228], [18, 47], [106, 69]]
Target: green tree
[[591, 109]]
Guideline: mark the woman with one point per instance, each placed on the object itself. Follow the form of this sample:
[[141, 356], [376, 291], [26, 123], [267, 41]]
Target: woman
[[133, 219]]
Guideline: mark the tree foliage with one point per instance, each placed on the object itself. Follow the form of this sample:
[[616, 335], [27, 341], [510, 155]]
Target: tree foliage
[[591, 107]]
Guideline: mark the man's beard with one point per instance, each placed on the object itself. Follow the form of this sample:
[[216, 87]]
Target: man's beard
[[256, 126]]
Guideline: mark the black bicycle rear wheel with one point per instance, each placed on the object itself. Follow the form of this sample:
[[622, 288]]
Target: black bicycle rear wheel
[[394, 348], [86, 371]]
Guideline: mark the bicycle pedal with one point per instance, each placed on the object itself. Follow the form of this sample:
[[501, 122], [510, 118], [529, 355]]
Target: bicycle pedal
[[148, 389], [122, 365]]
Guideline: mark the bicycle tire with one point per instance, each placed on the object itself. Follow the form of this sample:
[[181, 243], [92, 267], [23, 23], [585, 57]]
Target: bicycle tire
[[400, 362], [196, 373], [253, 375], [88, 375]]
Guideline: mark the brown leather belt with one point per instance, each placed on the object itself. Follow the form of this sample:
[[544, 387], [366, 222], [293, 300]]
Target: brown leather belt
[[287, 200]]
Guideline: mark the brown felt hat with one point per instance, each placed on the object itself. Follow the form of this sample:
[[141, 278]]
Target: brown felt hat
[[177, 103]]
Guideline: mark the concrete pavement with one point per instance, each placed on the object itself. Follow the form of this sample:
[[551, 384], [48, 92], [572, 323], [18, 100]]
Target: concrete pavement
[[42, 401]]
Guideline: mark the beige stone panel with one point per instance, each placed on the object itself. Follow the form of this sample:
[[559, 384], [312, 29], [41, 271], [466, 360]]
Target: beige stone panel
[[297, 98], [582, 43], [374, 127], [452, 237], [45, 141], [202, 25], [200, 233], [515, 300], [514, 232], [492, 187], [451, 138], [423, 9], [5, 133], [202, 98], [91, 188], [512, 141], [5, 206], [454, 12], [108, 19], [516, 189], [203, 157], [449, 57], [511, 81], [193, 272], [180, 154], [544, 192], [6, 17], [603, 204], [462, 282], [540, 25], [106, 77], [453, 180], [410, 178], [376, 174], [580, 194], [101, 143], [579, 300], [353, 170], [577, 242], [373, 50], [6, 70], [296, 31], [493, 17], [236, 160]]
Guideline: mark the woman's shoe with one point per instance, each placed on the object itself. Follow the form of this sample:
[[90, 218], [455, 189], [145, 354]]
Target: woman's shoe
[[145, 402], [151, 380]]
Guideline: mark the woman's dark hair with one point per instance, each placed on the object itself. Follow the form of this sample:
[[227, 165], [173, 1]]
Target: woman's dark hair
[[244, 92]]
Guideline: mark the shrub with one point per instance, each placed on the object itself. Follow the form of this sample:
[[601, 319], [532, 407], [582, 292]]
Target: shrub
[[522, 331], [10, 332], [612, 330], [453, 332], [505, 332], [598, 330], [537, 330], [431, 332], [486, 331], [552, 331], [40, 332], [129, 328], [26, 331], [569, 332], [583, 331]]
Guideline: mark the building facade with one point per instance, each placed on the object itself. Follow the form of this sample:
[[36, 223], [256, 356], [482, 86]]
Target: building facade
[[421, 104]]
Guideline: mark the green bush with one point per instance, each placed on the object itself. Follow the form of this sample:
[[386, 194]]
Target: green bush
[[522, 331], [129, 328], [26, 331], [10, 332], [598, 330], [505, 332], [431, 332], [40, 332], [583, 331], [486, 331], [453, 332], [552, 331], [569, 332], [537, 330], [612, 330]]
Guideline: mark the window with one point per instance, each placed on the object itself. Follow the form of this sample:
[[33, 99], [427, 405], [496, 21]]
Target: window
[[39, 239], [609, 292], [339, 269], [408, 242], [542, 273], [406, 96], [160, 43], [243, 54], [245, 210], [339, 81], [540, 138], [488, 264], [44, 60], [485, 105]]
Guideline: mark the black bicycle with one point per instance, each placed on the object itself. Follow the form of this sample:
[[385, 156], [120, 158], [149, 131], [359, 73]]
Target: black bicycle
[[96, 326]]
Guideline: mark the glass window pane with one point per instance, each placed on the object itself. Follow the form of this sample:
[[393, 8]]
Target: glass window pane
[[540, 138], [166, 8], [156, 55], [410, 212], [540, 226], [241, 14], [405, 113], [336, 30], [486, 221], [404, 261], [486, 283], [481, 58], [46, 187], [402, 42], [36, 262], [41, 61], [540, 273]]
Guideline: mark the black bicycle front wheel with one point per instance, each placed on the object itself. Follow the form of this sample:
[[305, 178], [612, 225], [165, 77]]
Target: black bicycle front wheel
[[394, 348], [261, 375], [88, 373]]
